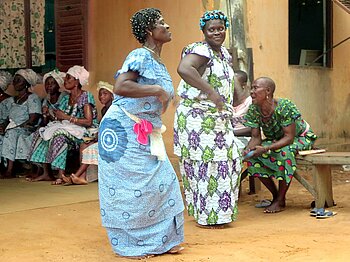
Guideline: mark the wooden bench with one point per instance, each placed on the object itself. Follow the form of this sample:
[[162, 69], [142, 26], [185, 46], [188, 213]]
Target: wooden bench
[[321, 165]]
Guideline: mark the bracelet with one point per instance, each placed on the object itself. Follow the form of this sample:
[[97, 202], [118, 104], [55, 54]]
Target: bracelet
[[70, 119], [75, 120], [267, 150]]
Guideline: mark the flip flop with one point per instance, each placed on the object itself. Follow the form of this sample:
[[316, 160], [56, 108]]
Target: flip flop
[[57, 182], [313, 212], [322, 213], [264, 203]]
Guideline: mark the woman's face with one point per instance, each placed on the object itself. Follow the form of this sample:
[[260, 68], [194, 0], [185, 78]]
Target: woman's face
[[214, 32], [160, 32], [259, 92], [51, 86], [104, 96], [70, 82], [19, 83]]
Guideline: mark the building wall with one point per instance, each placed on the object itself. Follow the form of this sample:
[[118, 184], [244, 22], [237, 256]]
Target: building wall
[[110, 40], [322, 94]]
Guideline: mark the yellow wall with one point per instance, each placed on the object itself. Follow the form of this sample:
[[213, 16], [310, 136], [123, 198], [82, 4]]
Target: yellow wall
[[322, 94], [110, 40]]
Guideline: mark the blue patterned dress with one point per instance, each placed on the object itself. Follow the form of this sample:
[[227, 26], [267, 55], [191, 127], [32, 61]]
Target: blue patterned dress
[[17, 140], [140, 198]]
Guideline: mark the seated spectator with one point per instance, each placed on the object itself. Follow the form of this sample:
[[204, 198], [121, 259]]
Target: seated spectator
[[75, 112], [90, 150], [54, 84], [24, 115], [5, 81], [286, 133], [241, 102], [54, 87]]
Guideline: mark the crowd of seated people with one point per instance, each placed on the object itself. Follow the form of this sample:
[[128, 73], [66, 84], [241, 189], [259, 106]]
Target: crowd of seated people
[[41, 132]]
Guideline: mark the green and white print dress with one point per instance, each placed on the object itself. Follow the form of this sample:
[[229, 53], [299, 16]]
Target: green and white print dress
[[204, 140]]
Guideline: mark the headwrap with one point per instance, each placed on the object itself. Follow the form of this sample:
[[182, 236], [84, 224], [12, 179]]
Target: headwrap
[[30, 76], [57, 75], [5, 80], [80, 73], [105, 85]]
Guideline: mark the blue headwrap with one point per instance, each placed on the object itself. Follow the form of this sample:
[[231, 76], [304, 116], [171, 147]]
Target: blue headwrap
[[211, 15]]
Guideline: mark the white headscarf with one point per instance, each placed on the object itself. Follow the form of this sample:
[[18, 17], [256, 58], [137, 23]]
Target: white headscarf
[[79, 72], [57, 75], [30, 76], [105, 85], [5, 80]]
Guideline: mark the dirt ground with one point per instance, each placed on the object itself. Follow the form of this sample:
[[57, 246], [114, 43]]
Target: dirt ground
[[40, 222]]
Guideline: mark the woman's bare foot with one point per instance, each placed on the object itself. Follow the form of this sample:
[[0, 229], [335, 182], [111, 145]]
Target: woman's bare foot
[[43, 177], [275, 207], [77, 180], [67, 180], [175, 249]]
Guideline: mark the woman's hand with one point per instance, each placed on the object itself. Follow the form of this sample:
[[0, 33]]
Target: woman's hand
[[164, 98], [217, 99], [60, 115], [259, 150]]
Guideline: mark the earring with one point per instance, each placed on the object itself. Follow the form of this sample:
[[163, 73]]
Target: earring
[[267, 97]]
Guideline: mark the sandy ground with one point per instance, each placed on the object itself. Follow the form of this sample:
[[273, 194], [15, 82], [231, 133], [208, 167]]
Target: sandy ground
[[40, 222]]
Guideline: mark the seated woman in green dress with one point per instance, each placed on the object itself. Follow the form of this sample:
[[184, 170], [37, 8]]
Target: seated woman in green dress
[[286, 133]]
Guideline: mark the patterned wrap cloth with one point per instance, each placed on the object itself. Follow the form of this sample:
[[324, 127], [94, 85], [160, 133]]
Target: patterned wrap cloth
[[54, 151], [280, 163], [140, 199], [210, 162]]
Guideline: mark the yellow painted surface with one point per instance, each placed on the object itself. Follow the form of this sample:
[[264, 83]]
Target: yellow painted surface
[[110, 40], [322, 94]]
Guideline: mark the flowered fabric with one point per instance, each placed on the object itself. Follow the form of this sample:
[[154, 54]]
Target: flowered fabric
[[54, 151], [140, 199], [280, 163], [12, 27], [205, 142]]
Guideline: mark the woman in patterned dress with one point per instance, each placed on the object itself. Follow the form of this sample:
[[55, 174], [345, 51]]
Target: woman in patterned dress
[[77, 110], [23, 117], [140, 199], [286, 133], [203, 135]]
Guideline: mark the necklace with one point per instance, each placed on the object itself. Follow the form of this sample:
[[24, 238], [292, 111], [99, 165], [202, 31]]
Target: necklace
[[268, 115], [72, 100], [155, 55], [20, 98]]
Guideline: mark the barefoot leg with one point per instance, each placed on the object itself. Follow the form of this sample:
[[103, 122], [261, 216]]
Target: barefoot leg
[[46, 176]]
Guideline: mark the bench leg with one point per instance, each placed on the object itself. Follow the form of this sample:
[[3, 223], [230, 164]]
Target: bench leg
[[305, 184], [323, 185]]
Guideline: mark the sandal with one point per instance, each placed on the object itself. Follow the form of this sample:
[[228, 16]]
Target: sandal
[[264, 203], [67, 181], [322, 213], [58, 181]]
